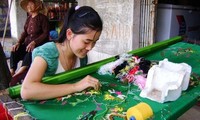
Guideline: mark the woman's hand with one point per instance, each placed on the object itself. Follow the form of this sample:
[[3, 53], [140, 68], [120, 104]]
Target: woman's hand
[[88, 82], [15, 47], [30, 46]]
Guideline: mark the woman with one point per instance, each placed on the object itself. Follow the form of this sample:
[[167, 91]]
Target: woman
[[36, 33], [80, 32]]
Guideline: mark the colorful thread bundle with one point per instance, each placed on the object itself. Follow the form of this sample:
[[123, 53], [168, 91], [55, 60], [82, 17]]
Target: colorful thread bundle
[[128, 68]]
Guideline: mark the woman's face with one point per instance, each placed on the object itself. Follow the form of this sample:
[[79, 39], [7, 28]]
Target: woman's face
[[81, 44], [31, 7]]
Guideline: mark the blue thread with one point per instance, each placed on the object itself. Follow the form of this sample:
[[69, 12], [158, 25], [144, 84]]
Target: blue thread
[[132, 118]]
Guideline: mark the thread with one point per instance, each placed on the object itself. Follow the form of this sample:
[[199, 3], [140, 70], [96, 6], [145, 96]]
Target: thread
[[141, 111], [20, 114]]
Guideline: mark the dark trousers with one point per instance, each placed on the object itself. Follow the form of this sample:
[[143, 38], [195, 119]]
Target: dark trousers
[[18, 55]]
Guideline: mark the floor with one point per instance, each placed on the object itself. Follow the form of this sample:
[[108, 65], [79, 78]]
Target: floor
[[191, 114]]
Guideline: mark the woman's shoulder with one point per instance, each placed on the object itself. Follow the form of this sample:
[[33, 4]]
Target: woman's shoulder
[[42, 16], [48, 45], [48, 49], [50, 54]]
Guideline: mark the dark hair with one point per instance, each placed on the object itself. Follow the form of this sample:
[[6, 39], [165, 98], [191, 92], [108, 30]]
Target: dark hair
[[80, 21]]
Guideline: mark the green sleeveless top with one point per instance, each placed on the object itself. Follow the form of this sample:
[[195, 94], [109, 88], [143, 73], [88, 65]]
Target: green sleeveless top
[[50, 54]]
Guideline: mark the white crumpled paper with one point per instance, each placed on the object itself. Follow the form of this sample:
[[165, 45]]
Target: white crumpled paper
[[166, 81]]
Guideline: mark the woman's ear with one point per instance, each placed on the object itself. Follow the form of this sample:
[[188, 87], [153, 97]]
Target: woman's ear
[[69, 34]]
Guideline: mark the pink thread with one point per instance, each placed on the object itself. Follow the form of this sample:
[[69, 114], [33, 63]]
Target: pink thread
[[140, 81]]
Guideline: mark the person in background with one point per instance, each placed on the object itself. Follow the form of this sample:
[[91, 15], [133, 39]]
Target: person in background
[[36, 33], [81, 30], [53, 35]]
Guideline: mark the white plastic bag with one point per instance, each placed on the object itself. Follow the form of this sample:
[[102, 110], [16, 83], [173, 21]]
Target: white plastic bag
[[166, 81]]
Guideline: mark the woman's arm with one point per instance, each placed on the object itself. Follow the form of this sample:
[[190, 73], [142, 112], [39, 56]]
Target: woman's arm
[[34, 89]]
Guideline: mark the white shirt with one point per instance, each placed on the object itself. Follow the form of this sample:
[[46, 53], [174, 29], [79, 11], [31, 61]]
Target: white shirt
[[61, 69]]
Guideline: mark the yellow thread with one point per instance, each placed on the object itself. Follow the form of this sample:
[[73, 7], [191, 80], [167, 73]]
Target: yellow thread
[[20, 114], [112, 115], [141, 111]]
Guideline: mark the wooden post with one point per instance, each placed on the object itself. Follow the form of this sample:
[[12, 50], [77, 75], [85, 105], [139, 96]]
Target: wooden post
[[5, 76]]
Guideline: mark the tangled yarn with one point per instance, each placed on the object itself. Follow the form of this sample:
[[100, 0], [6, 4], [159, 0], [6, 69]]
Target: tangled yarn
[[128, 68]]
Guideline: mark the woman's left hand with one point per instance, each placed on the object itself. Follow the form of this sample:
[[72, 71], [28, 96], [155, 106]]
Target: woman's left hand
[[31, 46]]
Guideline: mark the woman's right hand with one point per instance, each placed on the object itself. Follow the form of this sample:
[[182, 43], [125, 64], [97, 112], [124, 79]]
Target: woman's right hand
[[88, 82], [15, 47]]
